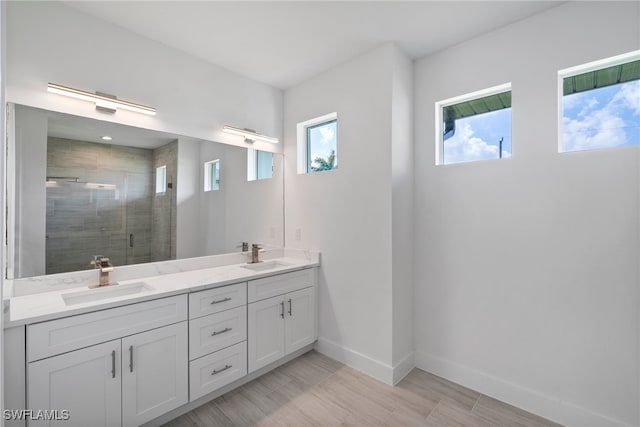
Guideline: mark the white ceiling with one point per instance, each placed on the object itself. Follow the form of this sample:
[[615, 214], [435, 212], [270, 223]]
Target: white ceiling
[[78, 128], [285, 43]]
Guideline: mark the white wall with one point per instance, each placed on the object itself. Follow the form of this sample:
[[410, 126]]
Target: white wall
[[402, 212], [51, 42], [526, 272], [347, 213]]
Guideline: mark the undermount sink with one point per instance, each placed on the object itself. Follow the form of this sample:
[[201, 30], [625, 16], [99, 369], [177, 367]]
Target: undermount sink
[[266, 265], [106, 292]]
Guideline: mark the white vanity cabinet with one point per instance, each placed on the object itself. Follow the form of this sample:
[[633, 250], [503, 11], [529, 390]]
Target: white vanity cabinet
[[217, 338], [85, 382], [129, 380], [140, 362], [281, 324]]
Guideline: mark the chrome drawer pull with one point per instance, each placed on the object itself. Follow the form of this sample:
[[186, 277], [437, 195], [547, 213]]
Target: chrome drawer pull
[[130, 358], [221, 300], [113, 364], [221, 370], [282, 309], [220, 332], [290, 307]]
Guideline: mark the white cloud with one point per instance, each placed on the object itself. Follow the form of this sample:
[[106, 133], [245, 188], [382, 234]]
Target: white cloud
[[464, 147], [328, 134], [629, 97], [603, 127]]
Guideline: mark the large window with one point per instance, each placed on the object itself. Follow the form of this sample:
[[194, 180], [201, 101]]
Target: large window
[[318, 144], [600, 104], [476, 126]]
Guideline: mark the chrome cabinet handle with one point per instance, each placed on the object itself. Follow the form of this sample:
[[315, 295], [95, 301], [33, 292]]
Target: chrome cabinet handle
[[221, 332], [113, 364], [221, 300], [221, 370], [130, 358], [282, 309], [289, 306]]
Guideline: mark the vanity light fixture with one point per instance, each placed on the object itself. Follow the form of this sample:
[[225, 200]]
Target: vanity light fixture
[[250, 136], [104, 102]]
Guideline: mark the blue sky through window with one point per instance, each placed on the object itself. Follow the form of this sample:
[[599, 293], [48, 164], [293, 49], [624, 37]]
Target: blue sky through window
[[322, 140], [478, 138], [602, 118]]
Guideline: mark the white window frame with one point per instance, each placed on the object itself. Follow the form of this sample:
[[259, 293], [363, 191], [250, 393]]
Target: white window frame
[[302, 139], [161, 179], [439, 148], [585, 68], [208, 172]]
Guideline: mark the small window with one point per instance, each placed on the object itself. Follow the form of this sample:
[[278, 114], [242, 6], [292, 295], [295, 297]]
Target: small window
[[318, 144], [476, 126], [212, 175], [161, 179], [600, 104], [259, 164]]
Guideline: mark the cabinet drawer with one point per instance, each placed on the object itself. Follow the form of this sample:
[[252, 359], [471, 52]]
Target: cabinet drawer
[[216, 300], [217, 331], [281, 284], [218, 369], [58, 336]]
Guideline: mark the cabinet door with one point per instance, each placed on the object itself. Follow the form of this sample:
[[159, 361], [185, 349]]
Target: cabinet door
[[154, 373], [300, 319], [85, 382], [265, 340]]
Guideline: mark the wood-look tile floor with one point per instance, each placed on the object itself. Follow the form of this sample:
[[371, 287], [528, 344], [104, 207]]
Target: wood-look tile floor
[[314, 390]]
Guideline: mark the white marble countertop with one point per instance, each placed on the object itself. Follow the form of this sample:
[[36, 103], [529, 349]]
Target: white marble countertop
[[48, 305]]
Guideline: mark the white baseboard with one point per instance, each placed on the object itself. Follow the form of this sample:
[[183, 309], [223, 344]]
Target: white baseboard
[[550, 407], [378, 370], [402, 368]]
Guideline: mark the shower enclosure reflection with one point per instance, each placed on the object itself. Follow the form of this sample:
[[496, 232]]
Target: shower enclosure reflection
[[101, 200]]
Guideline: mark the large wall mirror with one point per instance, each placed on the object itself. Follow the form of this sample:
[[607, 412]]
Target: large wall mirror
[[79, 187]]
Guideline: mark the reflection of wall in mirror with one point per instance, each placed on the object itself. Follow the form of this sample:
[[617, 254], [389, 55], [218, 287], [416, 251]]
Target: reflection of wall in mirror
[[217, 221], [30, 195]]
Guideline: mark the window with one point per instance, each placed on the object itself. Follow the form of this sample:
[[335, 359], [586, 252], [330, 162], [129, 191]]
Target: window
[[600, 104], [212, 175], [259, 164], [318, 144], [161, 179], [476, 126]]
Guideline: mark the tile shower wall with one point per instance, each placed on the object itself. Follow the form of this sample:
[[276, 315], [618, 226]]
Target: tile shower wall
[[97, 215], [163, 237]]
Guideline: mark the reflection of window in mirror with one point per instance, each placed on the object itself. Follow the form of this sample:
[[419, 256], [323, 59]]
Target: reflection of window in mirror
[[212, 175], [259, 165], [161, 179]]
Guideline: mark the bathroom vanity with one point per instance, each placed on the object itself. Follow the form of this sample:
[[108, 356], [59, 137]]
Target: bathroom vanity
[[156, 346]]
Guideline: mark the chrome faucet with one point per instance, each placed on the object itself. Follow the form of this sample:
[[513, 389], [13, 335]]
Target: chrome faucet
[[256, 248], [105, 267]]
